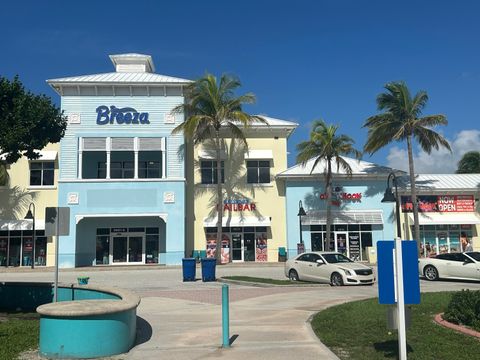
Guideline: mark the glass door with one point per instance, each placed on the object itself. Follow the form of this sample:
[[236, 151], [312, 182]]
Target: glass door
[[237, 253], [341, 242], [14, 251], [119, 251], [249, 247], [135, 246]]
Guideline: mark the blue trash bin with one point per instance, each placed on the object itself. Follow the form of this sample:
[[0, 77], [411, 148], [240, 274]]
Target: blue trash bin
[[189, 268], [208, 269]]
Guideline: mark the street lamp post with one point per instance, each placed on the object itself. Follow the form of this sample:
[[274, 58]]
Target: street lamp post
[[390, 197], [402, 333], [301, 212], [31, 216]]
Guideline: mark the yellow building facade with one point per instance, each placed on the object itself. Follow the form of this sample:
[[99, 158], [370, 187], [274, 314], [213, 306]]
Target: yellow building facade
[[29, 182], [254, 223]]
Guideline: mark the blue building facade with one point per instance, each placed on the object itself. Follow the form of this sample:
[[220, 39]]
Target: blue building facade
[[121, 169], [359, 218]]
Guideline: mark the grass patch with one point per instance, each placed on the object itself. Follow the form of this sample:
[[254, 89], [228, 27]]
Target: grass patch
[[18, 332], [264, 280], [358, 330]]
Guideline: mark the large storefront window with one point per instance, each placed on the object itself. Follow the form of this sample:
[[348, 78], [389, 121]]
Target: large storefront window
[[16, 248], [441, 239], [351, 240], [247, 243]]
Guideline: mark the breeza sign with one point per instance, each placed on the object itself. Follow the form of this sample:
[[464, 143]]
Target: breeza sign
[[126, 115]]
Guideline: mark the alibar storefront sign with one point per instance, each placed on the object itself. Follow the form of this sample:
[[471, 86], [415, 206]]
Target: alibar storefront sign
[[126, 115], [238, 205], [442, 203]]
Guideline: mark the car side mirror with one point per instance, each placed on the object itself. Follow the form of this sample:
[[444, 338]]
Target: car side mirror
[[320, 262]]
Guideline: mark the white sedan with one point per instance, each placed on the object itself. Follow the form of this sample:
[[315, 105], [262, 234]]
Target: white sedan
[[461, 266], [328, 267]]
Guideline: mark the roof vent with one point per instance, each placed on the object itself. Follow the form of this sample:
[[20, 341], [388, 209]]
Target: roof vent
[[133, 63]]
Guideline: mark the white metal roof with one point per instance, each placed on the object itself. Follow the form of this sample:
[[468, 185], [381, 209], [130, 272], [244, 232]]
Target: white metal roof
[[238, 221], [120, 78], [429, 182], [319, 217], [359, 168], [273, 122]]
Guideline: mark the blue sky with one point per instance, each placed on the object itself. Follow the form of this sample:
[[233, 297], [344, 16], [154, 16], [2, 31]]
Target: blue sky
[[304, 60]]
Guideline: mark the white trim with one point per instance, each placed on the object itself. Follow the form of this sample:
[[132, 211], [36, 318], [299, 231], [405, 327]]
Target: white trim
[[238, 221], [438, 218], [122, 180], [372, 217], [80, 217], [39, 187], [211, 154], [259, 155]]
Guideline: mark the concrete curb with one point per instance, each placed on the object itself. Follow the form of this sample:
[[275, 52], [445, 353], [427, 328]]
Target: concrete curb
[[264, 285], [464, 330]]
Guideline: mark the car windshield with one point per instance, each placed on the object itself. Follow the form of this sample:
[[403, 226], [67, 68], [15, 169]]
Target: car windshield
[[474, 255], [336, 258]]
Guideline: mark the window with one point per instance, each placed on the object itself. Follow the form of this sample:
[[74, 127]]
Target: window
[[258, 172], [121, 170], [208, 171], [148, 169], [42, 173]]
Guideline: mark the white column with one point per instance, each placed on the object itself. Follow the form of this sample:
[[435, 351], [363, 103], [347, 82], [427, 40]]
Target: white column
[[135, 154], [108, 145], [164, 157], [80, 158]]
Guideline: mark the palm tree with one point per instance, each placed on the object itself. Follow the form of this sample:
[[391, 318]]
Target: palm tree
[[325, 146], [401, 121], [3, 174], [469, 163], [212, 111]]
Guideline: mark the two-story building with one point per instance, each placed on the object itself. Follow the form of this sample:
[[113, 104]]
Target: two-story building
[[254, 224], [120, 169], [31, 184]]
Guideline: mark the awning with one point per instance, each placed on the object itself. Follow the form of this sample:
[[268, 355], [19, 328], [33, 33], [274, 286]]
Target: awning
[[373, 217], [238, 221], [44, 155], [211, 154], [22, 224], [259, 154], [80, 217], [437, 218]]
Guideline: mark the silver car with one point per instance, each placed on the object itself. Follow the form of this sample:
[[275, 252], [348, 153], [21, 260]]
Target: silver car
[[328, 267], [461, 266]]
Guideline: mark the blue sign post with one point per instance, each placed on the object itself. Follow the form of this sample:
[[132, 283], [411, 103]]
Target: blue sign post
[[387, 272], [398, 281]]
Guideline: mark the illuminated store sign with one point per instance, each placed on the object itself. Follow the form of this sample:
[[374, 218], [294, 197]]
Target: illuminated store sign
[[442, 203], [126, 115]]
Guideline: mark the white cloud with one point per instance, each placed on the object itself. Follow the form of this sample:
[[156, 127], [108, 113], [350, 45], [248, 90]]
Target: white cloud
[[438, 162]]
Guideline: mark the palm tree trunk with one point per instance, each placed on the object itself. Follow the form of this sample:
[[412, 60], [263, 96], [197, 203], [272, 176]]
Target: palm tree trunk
[[218, 247], [329, 205], [413, 189]]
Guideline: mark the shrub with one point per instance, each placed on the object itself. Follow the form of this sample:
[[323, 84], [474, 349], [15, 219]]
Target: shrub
[[464, 309]]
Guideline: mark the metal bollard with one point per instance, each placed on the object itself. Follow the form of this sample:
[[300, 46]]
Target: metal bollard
[[225, 317]]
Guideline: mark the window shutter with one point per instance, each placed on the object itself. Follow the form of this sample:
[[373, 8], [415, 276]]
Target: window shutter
[[92, 144], [122, 144], [151, 144]]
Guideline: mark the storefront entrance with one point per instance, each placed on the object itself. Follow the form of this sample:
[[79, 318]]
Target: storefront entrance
[[127, 249], [122, 246], [243, 247]]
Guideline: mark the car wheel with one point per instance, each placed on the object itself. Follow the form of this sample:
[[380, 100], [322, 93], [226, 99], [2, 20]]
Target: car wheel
[[293, 275], [336, 279], [430, 272]]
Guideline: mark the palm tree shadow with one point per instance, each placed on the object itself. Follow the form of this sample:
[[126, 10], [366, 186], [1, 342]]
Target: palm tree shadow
[[14, 202], [235, 186], [389, 348]]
